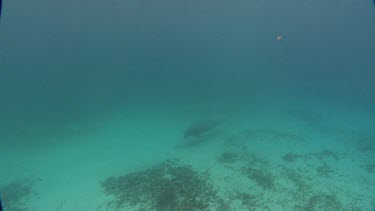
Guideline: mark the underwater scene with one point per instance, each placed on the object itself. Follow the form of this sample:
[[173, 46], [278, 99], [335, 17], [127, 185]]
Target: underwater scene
[[175, 105]]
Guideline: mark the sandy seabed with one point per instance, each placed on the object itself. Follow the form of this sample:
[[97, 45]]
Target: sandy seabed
[[307, 157]]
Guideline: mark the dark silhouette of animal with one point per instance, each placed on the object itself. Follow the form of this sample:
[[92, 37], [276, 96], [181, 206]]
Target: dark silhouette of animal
[[200, 128]]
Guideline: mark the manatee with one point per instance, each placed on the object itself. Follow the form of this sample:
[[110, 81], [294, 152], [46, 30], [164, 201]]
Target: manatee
[[200, 128]]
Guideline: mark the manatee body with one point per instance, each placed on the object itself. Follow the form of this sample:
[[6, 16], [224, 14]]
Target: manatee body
[[199, 129]]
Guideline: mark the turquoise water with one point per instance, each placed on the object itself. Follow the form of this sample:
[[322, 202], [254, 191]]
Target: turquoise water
[[198, 105]]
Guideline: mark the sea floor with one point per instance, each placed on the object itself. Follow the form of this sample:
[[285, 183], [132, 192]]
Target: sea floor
[[259, 156]]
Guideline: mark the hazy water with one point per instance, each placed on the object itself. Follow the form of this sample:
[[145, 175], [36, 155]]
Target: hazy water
[[69, 67], [62, 58]]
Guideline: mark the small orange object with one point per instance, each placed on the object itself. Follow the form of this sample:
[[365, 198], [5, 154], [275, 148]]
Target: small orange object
[[279, 37]]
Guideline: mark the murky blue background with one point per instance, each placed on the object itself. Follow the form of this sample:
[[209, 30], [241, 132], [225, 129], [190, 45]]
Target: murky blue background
[[68, 66]]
